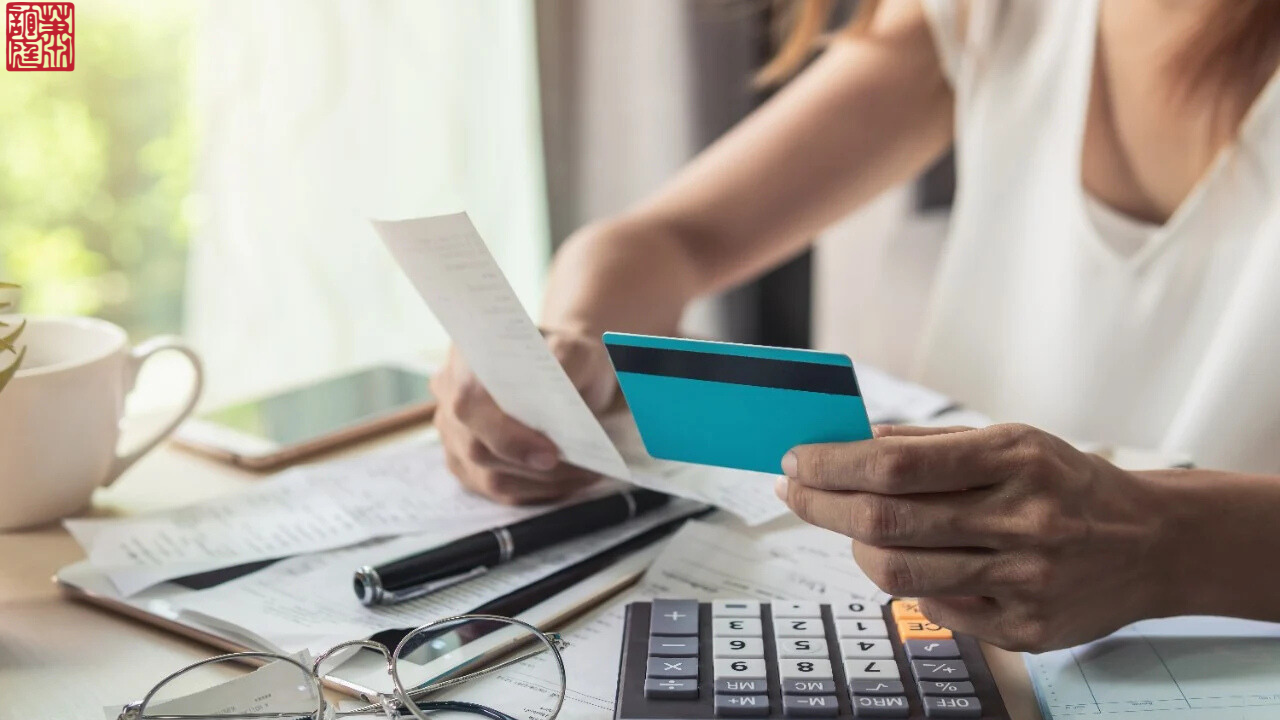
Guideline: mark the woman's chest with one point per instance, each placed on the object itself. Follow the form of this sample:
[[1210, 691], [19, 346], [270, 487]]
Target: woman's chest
[[1149, 138]]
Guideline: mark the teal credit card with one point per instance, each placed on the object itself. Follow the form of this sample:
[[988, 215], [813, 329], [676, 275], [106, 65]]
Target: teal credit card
[[735, 406]]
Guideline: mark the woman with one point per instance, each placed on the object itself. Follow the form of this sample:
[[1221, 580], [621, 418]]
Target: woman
[[1111, 273]]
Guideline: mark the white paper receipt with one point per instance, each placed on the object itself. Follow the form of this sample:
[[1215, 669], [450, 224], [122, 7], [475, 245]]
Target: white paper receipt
[[452, 269], [403, 489]]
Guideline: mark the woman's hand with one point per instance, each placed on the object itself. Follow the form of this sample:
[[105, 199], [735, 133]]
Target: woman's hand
[[1006, 533], [496, 455]]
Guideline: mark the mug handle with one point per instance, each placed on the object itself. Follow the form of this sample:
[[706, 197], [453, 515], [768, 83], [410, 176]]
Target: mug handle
[[138, 356]]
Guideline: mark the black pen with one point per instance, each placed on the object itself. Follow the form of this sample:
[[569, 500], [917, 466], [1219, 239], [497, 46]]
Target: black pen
[[469, 557]]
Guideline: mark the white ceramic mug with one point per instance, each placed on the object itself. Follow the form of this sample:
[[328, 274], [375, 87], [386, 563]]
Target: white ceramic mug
[[60, 415]]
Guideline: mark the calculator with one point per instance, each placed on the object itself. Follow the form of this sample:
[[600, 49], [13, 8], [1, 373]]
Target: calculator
[[684, 660]]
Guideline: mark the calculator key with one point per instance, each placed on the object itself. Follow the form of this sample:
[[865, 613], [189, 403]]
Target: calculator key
[[805, 627], [742, 705], [932, 649], [862, 628], [805, 670], [871, 670], [672, 668], [674, 617], [906, 609], [939, 670], [809, 687], [738, 669], [870, 648], [671, 689], [922, 630], [876, 687], [880, 706], [952, 707], [856, 609], [959, 687], [741, 686], [797, 610], [731, 647], [736, 627], [673, 647], [735, 609], [802, 648], [810, 706]]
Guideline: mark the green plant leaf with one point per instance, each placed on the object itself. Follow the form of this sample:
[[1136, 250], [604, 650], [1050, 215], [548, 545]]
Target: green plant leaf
[[8, 286], [9, 341], [7, 374]]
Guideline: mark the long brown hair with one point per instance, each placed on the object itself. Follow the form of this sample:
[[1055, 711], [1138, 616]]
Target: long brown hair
[[1241, 45], [800, 25]]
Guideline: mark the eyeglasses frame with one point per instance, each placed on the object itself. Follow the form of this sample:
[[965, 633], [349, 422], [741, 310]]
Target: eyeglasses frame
[[389, 703]]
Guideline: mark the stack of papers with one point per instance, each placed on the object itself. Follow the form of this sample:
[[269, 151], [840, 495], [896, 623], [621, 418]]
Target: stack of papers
[[306, 603], [393, 492], [404, 490]]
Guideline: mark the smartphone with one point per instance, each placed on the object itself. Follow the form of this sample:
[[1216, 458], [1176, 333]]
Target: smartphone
[[278, 429]]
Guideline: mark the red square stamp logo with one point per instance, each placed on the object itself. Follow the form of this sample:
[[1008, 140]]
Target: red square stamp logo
[[40, 36]]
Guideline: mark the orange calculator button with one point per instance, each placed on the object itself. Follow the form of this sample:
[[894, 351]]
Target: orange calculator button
[[907, 609], [922, 630]]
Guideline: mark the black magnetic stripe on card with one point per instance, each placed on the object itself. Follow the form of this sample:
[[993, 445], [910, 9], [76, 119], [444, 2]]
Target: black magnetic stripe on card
[[735, 369]]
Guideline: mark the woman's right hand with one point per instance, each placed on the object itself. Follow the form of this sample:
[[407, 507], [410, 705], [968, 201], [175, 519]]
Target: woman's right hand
[[495, 455]]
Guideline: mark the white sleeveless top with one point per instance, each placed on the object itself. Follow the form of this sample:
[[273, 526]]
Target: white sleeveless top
[[1070, 317]]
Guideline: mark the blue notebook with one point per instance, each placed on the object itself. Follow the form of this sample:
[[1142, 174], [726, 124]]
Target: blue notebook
[[1186, 668]]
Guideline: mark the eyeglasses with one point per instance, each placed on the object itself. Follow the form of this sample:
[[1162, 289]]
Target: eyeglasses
[[432, 658]]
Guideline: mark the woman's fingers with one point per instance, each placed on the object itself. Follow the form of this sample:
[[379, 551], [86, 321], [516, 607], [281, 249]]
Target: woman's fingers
[[515, 487], [972, 615], [506, 437], [915, 430], [492, 453], [991, 620], [911, 572], [479, 455], [927, 520], [894, 464], [483, 472]]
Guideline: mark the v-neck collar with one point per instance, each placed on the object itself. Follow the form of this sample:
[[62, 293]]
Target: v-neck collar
[[1250, 125]]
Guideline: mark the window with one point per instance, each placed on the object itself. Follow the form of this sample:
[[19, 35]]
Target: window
[[209, 169], [97, 170]]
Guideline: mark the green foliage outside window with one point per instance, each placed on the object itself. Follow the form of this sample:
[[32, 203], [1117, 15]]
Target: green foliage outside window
[[95, 170]]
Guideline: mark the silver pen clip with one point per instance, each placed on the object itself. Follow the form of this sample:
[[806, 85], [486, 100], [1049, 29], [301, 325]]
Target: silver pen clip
[[369, 586]]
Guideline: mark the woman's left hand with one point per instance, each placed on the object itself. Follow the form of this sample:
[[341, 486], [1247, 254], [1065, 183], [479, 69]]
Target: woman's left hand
[[1006, 533]]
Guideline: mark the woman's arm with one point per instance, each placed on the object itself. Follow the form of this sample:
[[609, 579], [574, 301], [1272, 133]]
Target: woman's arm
[[872, 111], [1223, 536]]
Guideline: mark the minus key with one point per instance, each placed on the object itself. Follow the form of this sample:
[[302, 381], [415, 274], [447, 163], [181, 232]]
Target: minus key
[[673, 647]]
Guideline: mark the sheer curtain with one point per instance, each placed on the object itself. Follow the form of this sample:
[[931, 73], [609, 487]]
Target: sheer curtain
[[320, 114]]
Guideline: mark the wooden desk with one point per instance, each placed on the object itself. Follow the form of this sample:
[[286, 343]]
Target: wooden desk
[[65, 660]]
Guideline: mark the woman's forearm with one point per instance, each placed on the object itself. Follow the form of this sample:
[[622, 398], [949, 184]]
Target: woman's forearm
[[629, 275], [873, 111], [1222, 541]]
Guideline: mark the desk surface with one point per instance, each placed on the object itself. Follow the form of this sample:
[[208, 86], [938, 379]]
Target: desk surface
[[66, 660]]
